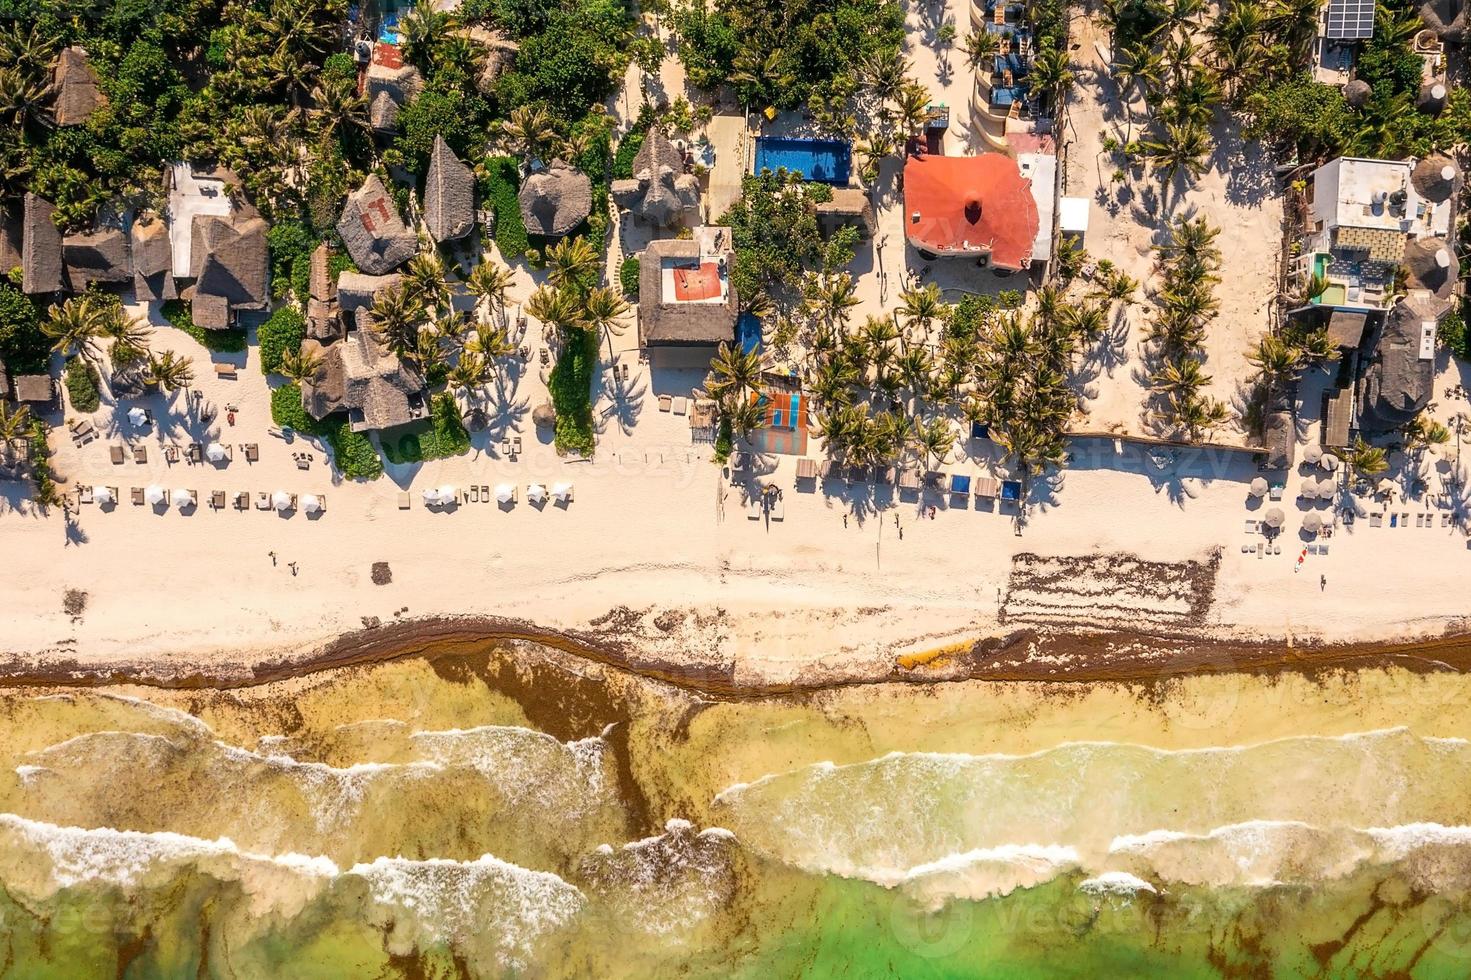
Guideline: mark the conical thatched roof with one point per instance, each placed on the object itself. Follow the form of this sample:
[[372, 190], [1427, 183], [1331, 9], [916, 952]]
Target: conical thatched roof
[[660, 192], [373, 231], [76, 87], [1357, 93], [1432, 96], [449, 195], [373, 385], [97, 256], [230, 262], [555, 200], [40, 251], [1432, 265], [1398, 383], [153, 259], [1435, 177], [386, 90], [544, 415]]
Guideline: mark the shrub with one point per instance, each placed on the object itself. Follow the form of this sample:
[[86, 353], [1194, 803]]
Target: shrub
[[352, 452], [41, 471], [501, 185], [627, 150], [81, 385], [231, 341], [1453, 334], [628, 276], [23, 347], [290, 244], [284, 331], [445, 435], [570, 384]]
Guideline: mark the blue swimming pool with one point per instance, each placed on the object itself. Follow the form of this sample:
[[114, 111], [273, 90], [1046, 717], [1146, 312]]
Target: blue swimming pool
[[825, 161], [748, 332]]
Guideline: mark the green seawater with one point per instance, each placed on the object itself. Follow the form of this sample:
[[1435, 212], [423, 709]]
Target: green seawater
[[510, 812]]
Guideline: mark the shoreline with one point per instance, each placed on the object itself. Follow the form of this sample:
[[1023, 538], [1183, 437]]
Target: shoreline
[[1147, 658]]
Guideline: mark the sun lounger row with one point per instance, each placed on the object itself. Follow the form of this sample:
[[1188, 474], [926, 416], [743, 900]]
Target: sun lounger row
[[504, 494], [186, 498], [196, 452], [1402, 519]]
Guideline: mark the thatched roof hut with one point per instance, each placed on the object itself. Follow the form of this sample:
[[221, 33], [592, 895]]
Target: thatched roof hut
[[664, 320], [34, 389], [153, 259], [97, 256], [1447, 18], [1357, 93], [10, 233], [849, 206], [449, 195], [1431, 264], [323, 322], [40, 252], [544, 416], [321, 284], [77, 89], [555, 200], [1398, 381], [373, 231], [373, 386], [387, 89], [1432, 97], [1435, 177], [1279, 434], [355, 290], [230, 263], [660, 192]]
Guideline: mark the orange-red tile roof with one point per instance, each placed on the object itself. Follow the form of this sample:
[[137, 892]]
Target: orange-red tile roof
[[981, 203]]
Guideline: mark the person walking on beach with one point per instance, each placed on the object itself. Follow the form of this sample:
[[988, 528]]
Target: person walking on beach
[[293, 569], [273, 558], [1322, 582]]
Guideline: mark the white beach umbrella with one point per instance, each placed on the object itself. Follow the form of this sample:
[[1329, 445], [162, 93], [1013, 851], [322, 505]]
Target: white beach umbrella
[[1327, 488], [536, 493], [1259, 487], [431, 496], [137, 416], [155, 495], [1329, 462], [1309, 488], [281, 500], [562, 490], [103, 495], [215, 452], [1313, 453], [505, 493], [310, 503], [1312, 522], [447, 494], [183, 498], [1274, 517]]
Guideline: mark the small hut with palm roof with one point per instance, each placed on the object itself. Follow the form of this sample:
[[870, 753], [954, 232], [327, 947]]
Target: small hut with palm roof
[[1435, 177], [77, 89], [449, 195], [555, 200]]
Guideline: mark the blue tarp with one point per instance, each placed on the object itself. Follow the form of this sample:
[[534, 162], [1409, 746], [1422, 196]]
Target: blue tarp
[[1011, 490]]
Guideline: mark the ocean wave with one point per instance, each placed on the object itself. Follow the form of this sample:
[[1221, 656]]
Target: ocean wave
[[1115, 883], [669, 883]]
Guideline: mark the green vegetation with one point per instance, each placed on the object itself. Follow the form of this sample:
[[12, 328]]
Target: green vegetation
[[570, 385], [1185, 307], [1452, 333], [499, 187], [788, 53], [445, 435], [352, 452], [231, 341], [23, 347], [283, 332], [81, 385], [42, 474], [628, 148], [774, 229], [628, 276]]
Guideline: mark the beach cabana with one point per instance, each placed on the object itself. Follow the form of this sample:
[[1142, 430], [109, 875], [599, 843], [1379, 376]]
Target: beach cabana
[[1259, 487], [216, 453], [960, 484], [282, 501], [1274, 518], [103, 495], [183, 498], [1011, 490], [505, 493], [156, 495], [909, 480], [1312, 523], [430, 496], [137, 416], [806, 468], [536, 493], [310, 503], [562, 491], [987, 487]]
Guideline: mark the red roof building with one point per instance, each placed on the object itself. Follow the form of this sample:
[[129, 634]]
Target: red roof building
[[970, 206]]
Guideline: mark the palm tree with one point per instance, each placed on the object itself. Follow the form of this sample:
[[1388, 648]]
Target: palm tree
[[1276, 359], [129, 342], [1422, 433], [914, 107], [1138, 70], [300, 365], [1183, 146], [489, 343], [424, 30], [338, 106], [1193, 413], [1367, 460], [75, 327], [745, 415], [934, 439], [396, 315], [471, 371], [830, 298], [489, 283], [529, 131], [557, 307], [425, 281], [733, 374], [169, 372], [921, 306], [14, 424], [883, 73], [573, 263], [604, 309], [981, 48], [24, 98], [1179, 377], [1051, 75]]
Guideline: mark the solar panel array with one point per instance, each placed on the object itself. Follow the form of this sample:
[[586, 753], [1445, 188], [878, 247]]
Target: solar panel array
[[1350, 20]]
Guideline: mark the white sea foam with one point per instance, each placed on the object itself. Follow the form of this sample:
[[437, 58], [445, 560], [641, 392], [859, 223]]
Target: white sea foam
[[1115, 883], [28, 774]]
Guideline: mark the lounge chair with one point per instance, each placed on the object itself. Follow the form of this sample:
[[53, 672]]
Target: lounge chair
[[119, 455], [665, 403], [242, 500], [778, 508], [681, 404], [404, 500], [140, 454], [753, 508], [1322, 549], [137, 496], [302, 463], [321, 503], [474, 493], [485, 493], [517, 441], [84, 493], [1376, 520], [196, 452], [217, 499], [224, 370], [262, 500], [1251, 527], [506, 448]]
